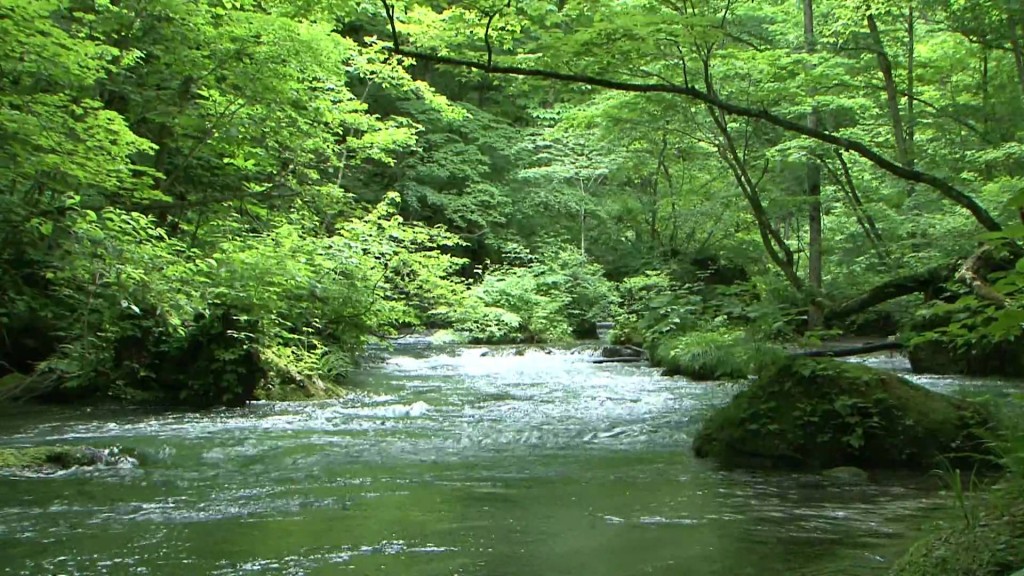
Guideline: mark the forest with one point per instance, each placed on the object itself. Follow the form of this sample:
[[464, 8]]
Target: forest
[[209, 202]]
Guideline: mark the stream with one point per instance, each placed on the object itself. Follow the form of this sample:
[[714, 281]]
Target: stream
[[443, 463]]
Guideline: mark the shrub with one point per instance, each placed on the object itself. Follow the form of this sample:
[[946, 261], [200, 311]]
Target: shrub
[[553, 298]]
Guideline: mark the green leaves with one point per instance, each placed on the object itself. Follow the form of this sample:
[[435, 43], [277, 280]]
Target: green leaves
[[174, 172], [557, 296]]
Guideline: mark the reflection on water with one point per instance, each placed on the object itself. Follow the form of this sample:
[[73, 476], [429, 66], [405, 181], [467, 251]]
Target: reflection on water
[[460, 463]]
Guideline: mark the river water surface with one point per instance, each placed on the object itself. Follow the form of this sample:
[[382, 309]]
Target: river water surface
[[442, 464]]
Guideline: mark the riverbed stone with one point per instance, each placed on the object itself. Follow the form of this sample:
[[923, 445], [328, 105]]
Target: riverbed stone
[[846, 474], [820, 413]]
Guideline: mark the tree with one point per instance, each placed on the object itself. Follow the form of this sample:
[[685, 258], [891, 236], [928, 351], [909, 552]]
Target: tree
[[646, 22]]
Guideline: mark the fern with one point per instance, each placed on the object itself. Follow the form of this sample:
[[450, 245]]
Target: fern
[[717, 352]]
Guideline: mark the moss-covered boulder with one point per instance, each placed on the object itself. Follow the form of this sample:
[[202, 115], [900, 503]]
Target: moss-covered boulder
[[990, 544], [962, 341], [51, 458], [938, 355], [819, 413], [846, 475], [286, 384]]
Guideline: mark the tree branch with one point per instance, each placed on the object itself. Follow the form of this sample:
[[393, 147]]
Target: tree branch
[[943, 187], [914, 283], [971, 275], [487, 31], [389, 11]]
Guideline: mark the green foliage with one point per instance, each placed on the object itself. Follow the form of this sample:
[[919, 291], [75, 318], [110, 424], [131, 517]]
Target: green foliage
[[716, 352], [176, 223], [138, 300], [991, 545], [638, 296], [963, 491], [265, 180], [557, 295]]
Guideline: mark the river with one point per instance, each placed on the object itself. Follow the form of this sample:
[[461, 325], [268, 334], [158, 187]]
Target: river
[[441, 464]]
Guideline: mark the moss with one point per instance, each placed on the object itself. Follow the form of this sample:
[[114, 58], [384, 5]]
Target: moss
[[846, 474], [816, 413], [991, 545], [286, 385], [44, 458], [938, 347]]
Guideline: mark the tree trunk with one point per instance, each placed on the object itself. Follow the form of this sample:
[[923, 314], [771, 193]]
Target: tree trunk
[[915, 283], [674, 231], [775, 245], [1013, 25], [655, 197], [814, 238], [986, 100], [847, 351], [891, 94], [911, 118], [867, 224]]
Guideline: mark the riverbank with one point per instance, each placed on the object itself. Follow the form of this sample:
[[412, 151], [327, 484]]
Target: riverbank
[[987, 539]]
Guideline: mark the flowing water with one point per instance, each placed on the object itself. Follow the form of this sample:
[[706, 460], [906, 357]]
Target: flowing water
[[442, 464]]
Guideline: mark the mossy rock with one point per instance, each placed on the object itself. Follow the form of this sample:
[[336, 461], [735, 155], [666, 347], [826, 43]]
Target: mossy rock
[[937, 356], [299, 389], [992, 544], [846, 475], [938, 353], [284, 383], [820, 413], [50, 458]]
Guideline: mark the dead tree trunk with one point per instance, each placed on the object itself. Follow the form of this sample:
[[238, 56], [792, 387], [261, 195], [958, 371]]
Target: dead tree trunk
[[851, 350]]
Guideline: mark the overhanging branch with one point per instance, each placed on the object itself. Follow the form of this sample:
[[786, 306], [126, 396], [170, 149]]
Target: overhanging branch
[[943, 187]]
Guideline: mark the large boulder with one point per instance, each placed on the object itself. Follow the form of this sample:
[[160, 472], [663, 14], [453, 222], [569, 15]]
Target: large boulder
[[940, 356], [819, 413]]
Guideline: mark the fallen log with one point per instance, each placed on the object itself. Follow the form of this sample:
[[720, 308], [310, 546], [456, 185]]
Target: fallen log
[[915, 283], [850, 350], [619, 360], [971, 273]]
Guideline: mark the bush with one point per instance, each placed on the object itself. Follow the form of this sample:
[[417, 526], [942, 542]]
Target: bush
[[145, 317], [715, 353], [554, 298]]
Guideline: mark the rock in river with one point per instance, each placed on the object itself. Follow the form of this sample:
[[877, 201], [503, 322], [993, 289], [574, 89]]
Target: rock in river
[[819, 413], [49, 459]]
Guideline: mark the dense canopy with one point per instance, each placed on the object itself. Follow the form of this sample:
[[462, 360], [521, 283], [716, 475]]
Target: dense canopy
[[284, 182]]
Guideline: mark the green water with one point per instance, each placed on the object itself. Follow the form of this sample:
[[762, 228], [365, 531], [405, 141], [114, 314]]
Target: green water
[[441, 465]]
